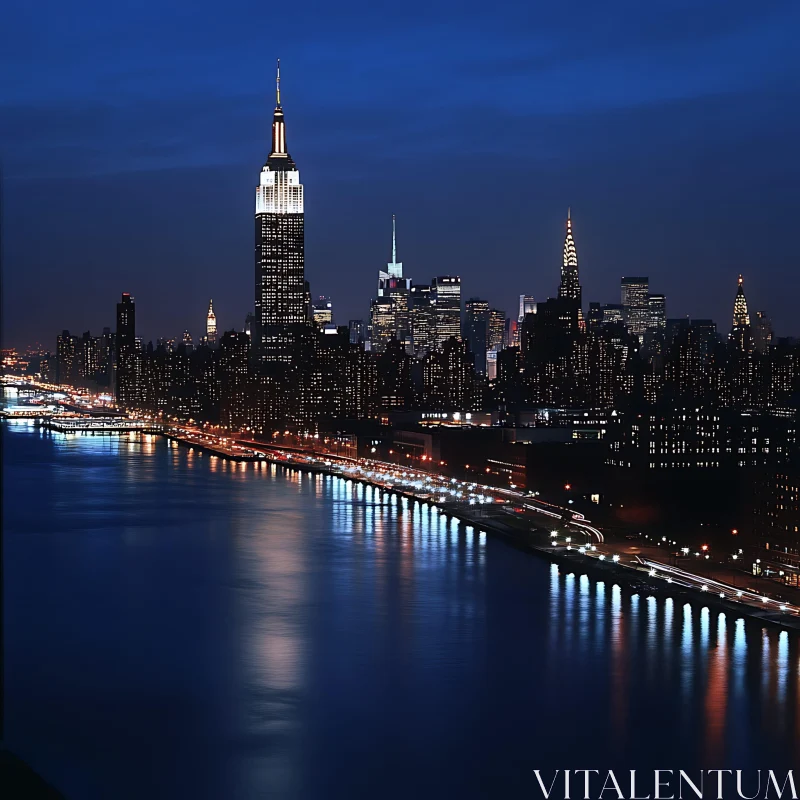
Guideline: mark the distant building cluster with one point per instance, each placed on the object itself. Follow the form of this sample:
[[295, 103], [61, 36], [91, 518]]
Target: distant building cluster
[[673, 394]]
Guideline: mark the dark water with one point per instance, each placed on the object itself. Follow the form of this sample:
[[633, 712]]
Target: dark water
[[182, 627]]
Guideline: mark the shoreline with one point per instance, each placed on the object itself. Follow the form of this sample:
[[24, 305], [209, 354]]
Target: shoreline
[[627, 577]]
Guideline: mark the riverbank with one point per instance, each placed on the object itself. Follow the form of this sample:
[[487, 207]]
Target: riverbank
[[636, 577]]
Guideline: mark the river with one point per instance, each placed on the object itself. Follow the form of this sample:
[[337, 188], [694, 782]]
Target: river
[[182, 626]]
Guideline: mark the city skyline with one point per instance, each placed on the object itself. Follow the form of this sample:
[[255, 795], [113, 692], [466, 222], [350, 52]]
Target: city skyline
[[374, 378], [694, 177]]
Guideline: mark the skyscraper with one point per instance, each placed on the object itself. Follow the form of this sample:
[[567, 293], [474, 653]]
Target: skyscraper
[[358, 331], [211, 325], [423, 319], [740, 313], [762, 332], [497, 325], [279, 250], [67, 359], [394, 269], [570, 287], [394, 287], [635, 299], [234, 355], [740, 332], [527, 305], [446, 292], [127, 352], [382, 323], [476, 330], [657, 312]]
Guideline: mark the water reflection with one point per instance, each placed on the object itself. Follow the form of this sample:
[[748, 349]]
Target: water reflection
[[705, 656], [305, 632]]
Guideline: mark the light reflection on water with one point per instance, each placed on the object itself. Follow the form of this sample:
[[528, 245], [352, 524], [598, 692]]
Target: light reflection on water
[[252, 632]]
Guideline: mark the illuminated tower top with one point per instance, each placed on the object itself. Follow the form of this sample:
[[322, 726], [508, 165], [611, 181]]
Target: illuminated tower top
[[570, 286], [394, 267], [279, 190], [741, 316], [211, 323]]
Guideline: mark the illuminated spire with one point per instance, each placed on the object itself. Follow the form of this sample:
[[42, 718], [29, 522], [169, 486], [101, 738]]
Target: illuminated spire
[[741, 317], [211, 323], [279, 157], [394, 267], [570, 284]]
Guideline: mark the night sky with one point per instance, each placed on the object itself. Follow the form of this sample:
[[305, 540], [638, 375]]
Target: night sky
[[132, 135]]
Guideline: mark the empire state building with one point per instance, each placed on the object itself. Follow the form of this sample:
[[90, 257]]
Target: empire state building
[[279, 250]]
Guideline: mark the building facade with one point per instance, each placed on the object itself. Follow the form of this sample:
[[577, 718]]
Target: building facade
[[446, 295], [570, 286], [280, 306], [635, 300], [127, 351]]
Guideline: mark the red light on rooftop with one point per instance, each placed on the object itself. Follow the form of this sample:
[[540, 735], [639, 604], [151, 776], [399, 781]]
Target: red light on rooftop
[[567, 486], [704, 547]]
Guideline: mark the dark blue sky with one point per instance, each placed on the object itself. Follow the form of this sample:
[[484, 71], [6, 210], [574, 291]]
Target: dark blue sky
[[132, 135]]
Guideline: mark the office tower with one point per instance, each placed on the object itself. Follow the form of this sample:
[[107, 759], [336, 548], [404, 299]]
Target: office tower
[[423, 319], [398, 290], [105, 359], [635, 294], [211, 325], [656, 312], [234, 359], [527, 305], [187, 341], [89, 361], [280, 306], [762, 332], [446, 292], [497, 329], [705, 332], [547, 343], [392, 285], [323, 312], [381, 323], [475, 330], [448, 378], [394, 381], [127, 351], [66, 359], [358, 332], [570, 287]]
